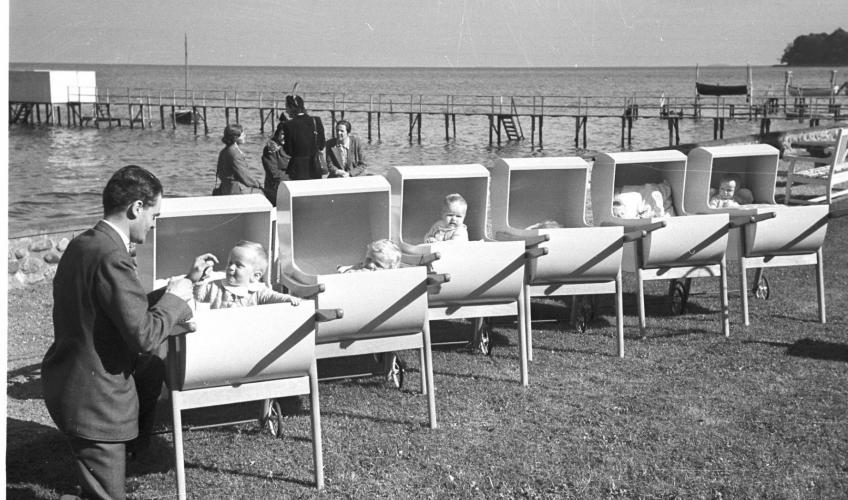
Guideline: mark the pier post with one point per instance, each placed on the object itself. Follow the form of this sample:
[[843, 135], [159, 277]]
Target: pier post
[[59, 115], [194, 118], [499, 131], [491, 127], [453, 123], [532, 131], [541, 121], [447, 128], [227, 116], [205, 122], [418, 119], [410, 128], [378, 126], [173, 117]]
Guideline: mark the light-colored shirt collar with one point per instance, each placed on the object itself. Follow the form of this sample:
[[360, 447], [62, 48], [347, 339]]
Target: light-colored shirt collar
[[124, 237]]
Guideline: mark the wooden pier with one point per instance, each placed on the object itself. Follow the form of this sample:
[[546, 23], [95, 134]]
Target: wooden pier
[[507, 117]]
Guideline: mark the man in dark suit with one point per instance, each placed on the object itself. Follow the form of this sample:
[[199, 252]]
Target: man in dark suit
[[344, 153], [99, 379]]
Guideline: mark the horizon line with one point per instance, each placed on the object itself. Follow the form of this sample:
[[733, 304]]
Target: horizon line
[[410, 67]]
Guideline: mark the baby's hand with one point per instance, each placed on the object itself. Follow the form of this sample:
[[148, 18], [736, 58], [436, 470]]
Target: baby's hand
[[202, 267], [295, 301]]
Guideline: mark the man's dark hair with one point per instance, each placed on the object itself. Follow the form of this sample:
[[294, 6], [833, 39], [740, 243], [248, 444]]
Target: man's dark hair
[[346, 124], [127, 185]]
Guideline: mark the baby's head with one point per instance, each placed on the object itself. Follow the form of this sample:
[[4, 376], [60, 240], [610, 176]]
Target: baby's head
[[246, 264], [727, 187], [382, 254], [453, 210]]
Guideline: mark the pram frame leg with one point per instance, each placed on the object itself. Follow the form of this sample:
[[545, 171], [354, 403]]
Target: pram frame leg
[[820, 284], [619, 313], [528, 326], [317, 447], [743, 287], [640, 299], [725, 306], [179, 466], [523, 338], [427, 366]]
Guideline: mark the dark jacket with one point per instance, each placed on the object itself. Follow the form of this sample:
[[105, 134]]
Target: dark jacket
[[233, 173], [274, 163], [102, 322], [355, 164], [303, 138]]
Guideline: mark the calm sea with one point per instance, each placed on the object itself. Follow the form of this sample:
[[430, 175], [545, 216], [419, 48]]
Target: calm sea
[[56, 174]]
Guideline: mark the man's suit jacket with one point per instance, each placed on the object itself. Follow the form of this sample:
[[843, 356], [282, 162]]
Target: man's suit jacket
[[355, 164], [102, 321]]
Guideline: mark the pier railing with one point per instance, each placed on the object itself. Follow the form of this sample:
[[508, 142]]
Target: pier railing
[[145, 106]]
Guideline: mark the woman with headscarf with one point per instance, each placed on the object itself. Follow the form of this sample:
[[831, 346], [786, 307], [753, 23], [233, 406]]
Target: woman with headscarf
[[232, 165], [303, 137], [274, 162]]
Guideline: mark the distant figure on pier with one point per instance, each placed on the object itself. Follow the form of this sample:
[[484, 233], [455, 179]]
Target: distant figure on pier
[[344, 153], [274, 162], [303, 141], [232, 165]]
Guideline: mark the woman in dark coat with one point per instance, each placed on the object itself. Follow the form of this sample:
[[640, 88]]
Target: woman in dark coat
[[232, 165], [303, 139]]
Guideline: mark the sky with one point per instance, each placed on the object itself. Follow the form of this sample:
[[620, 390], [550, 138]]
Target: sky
[[440, 33]]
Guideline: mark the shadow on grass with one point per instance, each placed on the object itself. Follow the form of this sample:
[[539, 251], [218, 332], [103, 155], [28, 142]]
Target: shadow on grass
[[810, 348], [25, 382], [235, 472], [818, 349], [37, 459], [416, 422]]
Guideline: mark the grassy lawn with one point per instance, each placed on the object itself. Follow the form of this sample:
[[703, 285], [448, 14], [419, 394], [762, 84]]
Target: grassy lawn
[[688, 413]]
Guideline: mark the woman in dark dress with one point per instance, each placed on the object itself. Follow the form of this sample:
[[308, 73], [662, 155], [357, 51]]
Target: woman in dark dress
[[303, 139], [232, 165]]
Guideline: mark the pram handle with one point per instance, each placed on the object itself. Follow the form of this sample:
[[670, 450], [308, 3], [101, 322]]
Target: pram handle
[[529, 241], [322, 315], [535, 253], [420, 259], [835, 214], [641, 232], [742, 220], [435, 279], [304, 290]]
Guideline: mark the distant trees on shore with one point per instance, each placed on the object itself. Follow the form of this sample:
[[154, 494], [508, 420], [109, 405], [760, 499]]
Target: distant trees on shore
[[818, 49]]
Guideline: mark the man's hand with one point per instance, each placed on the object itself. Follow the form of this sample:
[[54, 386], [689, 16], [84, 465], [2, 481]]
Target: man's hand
[[202, 266], [181, 287]]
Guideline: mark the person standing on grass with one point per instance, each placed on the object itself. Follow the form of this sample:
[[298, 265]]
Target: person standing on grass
[[99, 377]]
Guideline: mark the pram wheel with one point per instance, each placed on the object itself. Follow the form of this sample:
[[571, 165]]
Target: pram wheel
[[679, 293], [484, 337], [272, 421], [585, 312], [761, 288], [396, 371]]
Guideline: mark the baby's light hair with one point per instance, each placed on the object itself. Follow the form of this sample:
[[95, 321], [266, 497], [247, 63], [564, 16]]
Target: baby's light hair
[[385, 252], [260, 257], [454, 198]]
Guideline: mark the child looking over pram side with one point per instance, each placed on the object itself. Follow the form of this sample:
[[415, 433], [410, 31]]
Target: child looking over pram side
[[381, 254]]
